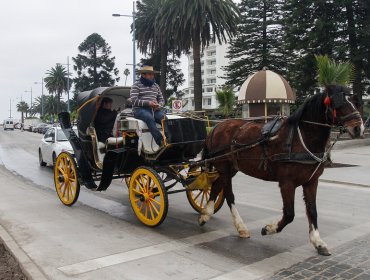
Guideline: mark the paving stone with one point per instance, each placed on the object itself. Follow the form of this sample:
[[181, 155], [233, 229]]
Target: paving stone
[[364, 276], [355, 271], [307, 273]]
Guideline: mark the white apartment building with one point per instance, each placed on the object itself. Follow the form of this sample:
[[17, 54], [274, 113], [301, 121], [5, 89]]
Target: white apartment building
[[212, 61]]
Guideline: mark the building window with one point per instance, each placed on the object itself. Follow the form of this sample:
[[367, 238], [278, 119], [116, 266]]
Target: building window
[[213, 81], [209, 89], [213, 71], [207, 101]]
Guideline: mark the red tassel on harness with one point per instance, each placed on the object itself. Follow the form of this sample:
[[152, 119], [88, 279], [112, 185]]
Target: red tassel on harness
[[327, 101], [334, 114]]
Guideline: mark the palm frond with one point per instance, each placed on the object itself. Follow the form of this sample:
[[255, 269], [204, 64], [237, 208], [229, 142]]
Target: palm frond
[[329, 72]]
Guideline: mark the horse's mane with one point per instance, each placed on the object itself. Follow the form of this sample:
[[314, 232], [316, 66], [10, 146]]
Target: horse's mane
[[313, 107]]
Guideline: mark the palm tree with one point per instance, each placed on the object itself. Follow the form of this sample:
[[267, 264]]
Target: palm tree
[[331, 73], [151, 38], [56, 82], [196, 23], [23, 108], [126, 72], [226, 99]]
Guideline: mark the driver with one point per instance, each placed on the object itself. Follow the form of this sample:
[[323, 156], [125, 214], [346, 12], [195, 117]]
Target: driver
[[104, 120], [146, 97]]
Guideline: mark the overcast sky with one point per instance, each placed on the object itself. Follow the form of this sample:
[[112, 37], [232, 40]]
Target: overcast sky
[[37, 34]]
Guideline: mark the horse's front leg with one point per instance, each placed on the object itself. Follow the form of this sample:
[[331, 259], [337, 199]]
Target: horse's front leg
[[287, 193], [309, 195]]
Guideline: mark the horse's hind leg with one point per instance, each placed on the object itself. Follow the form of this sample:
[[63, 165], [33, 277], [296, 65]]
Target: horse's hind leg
[[208, 211], [309, 195], [287, 193]]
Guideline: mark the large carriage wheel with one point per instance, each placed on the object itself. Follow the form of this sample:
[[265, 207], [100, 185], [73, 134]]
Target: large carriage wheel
[[198, 199], [148, 196], [65, 179]]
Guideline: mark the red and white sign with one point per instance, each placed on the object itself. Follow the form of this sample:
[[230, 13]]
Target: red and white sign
[[176, 105]]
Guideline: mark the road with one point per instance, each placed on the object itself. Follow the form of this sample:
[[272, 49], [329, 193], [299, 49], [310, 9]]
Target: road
[[100, 237]]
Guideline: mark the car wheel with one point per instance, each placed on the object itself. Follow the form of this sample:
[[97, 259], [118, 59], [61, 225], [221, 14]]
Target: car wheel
[[54, 158], [41, 160]]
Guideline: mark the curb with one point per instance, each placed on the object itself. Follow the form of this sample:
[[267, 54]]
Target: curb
[[344, 183], [28, 267]]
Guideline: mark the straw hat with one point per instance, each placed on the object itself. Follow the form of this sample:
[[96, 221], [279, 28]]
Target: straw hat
[[147, 69]]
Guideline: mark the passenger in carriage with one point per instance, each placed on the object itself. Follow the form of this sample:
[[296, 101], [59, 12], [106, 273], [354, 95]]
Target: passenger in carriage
[[104, 120], [147, 100]]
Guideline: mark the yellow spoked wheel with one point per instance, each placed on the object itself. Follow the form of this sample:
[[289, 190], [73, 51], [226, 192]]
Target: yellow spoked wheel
[[198, 199], [148, 196], [65, 179]]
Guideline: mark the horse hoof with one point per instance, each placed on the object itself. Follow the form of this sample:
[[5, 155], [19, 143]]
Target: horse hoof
[[244, 234], [323, 251], [264, 231]]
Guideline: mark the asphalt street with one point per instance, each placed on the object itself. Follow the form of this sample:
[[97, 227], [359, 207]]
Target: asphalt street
[[99, 237]]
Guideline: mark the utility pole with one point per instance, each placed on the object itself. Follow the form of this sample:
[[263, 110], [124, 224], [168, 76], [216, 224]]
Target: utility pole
[[68, 108]]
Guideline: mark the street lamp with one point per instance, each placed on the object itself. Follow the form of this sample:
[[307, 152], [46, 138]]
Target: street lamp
[[31, 97], [133, 38], [42, 95], [68, 108]]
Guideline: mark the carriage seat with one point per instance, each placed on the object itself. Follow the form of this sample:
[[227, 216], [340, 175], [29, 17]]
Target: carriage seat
[[146, 141], [100, 148]]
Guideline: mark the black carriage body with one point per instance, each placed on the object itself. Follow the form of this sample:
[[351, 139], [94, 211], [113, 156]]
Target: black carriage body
[[184, 137]]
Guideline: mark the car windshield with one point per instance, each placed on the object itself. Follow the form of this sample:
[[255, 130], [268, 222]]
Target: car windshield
[[61, 136]]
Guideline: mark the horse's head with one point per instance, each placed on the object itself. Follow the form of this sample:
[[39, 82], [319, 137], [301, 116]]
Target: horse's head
[[341, 111]]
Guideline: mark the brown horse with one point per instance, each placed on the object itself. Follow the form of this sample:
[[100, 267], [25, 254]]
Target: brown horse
[[294, 156]]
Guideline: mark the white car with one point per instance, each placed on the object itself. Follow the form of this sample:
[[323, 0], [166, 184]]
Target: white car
[[52, 144]]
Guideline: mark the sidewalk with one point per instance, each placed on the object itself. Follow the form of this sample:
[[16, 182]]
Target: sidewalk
[[352, 152]]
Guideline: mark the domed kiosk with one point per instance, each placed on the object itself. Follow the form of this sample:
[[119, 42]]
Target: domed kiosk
[[265, 93]]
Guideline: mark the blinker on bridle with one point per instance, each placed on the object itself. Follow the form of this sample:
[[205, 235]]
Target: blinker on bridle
[[334, 102]]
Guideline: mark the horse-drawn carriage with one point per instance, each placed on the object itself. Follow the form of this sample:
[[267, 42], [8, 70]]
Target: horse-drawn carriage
[[291, 151], [150, 172]]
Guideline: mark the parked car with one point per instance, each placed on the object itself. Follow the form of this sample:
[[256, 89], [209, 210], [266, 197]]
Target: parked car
[[8, 124], [45, 128], [52, 144], [28, 124], [39, 127]]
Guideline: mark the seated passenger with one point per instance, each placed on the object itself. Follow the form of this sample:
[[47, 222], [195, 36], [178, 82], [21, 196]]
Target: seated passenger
[[104, 120], [146, 97]]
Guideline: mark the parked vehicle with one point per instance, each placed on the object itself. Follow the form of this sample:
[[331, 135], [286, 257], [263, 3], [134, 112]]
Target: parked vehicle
[[38, 128], [28, 124], [8, 124], [52, 144], [45, 128]]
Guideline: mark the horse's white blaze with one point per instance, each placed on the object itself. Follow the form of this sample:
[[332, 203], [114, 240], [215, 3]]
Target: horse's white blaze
[[316, 240], [351, 130], [207, 212], [239, 223], [271, 228]]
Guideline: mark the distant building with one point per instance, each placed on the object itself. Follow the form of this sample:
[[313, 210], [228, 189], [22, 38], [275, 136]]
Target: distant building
[[212, 62]]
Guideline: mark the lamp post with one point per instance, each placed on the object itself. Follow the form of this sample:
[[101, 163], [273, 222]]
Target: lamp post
[[42, 95], [68, 108], [31, 97], [133, 16]]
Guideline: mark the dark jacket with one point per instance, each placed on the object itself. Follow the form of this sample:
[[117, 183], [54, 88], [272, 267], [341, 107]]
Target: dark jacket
[[104, 122]]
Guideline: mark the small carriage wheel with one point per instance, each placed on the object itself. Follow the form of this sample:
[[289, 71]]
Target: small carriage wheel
[[148, 196], [198, 199], [65, 179], [127, 181]]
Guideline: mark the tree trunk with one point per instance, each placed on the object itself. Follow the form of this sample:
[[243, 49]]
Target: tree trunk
[[163, 82], [355, 58], [125, 80], [58, 103], [95, 72], [22, 117], [197, 72], [264, 61]]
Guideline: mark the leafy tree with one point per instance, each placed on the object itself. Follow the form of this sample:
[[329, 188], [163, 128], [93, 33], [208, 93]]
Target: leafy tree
[[196, 23], [258, 42], [94, 66], [329, 72], [50, 103], [56, 83], [126, 72], [226, 99], [150, 37], [23, 108]]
